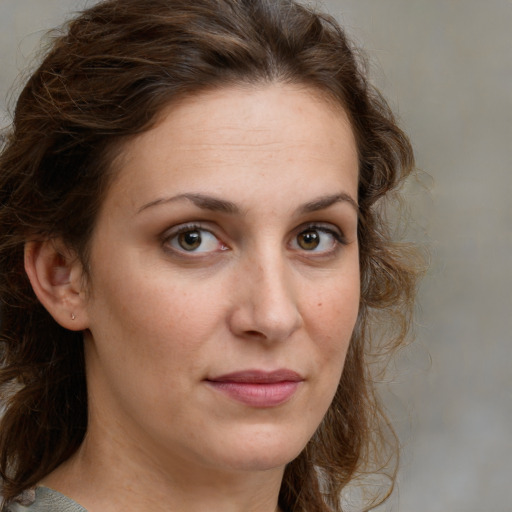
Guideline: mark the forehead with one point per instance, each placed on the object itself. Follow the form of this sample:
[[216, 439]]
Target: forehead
[[239, 133]]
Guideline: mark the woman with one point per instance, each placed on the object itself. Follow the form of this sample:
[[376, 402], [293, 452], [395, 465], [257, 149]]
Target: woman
[[191, 254]]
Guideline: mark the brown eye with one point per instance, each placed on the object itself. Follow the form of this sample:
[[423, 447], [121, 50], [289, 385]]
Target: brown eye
[[308, 240], [193, 240], [318, 240], [189, 240]]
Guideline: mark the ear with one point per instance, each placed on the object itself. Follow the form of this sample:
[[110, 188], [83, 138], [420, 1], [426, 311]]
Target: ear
[[56, 276]]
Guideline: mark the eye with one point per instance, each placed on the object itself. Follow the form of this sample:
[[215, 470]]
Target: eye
[[317, 239], [193, 239]]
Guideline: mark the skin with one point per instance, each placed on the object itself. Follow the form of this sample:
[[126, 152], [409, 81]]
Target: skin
[[161, 320]]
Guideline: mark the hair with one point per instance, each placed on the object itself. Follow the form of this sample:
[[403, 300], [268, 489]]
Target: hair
[[106, 77]]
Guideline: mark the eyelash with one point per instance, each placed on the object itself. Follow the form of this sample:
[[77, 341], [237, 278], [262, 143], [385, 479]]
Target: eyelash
[[172, 234], [336, 234]]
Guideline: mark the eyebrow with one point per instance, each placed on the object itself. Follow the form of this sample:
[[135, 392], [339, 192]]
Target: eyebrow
[[206, 202], [200, 200], [324, 202]]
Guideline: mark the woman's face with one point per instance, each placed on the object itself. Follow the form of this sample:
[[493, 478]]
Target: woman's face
[[224, 281]]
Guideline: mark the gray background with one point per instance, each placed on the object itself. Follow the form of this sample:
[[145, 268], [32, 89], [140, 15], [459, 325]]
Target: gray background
[[446, 67]]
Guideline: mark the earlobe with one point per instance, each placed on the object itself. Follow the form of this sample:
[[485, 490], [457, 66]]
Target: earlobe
[[55, 274]]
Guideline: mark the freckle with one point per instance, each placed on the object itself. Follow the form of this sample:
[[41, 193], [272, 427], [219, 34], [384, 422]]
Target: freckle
[[319, 304]]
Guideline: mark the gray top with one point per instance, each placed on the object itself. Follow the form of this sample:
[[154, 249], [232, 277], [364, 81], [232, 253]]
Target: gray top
[[43, 499]]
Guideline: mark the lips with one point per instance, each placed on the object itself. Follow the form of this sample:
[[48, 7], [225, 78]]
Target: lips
[[257, 388]]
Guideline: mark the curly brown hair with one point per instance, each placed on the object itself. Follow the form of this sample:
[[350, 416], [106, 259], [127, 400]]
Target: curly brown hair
[[107, 76]]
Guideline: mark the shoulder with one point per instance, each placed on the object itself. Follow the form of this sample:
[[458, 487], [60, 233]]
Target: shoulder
[[43, 499]]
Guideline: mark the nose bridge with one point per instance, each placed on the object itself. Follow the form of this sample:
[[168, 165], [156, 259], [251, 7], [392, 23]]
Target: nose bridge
[[271, 301]]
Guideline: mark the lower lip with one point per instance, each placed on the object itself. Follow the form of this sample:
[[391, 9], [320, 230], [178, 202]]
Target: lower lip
[[269, 394]]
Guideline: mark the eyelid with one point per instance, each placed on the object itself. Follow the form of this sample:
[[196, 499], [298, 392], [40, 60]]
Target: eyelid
[[327, 228], [173, 232]]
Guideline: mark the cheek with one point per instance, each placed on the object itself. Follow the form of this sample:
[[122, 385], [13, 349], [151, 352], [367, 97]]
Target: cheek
[[332, 320], [157, 320], [334, 312]]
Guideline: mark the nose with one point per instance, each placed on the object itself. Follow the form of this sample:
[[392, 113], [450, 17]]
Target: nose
[[267, 305]]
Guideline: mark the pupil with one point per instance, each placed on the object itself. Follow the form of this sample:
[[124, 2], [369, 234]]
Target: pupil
[[190, 240], [309, 240]]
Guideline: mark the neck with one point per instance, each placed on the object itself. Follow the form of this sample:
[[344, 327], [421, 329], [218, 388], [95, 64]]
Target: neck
[[108, 476]]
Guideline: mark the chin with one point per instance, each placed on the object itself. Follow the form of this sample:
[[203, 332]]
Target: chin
[[263, 451], [260, 462]]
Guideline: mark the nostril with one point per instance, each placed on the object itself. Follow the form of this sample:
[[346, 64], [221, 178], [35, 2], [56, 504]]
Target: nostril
[[255, 334]]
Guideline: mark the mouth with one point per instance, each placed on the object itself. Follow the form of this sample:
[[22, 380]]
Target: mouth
[[257, 388]]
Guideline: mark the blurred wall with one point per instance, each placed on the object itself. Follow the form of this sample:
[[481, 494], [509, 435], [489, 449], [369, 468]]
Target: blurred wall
[[446, 67]]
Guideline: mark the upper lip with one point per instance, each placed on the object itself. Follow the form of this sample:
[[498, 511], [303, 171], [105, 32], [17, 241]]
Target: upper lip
[[259, 376]]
